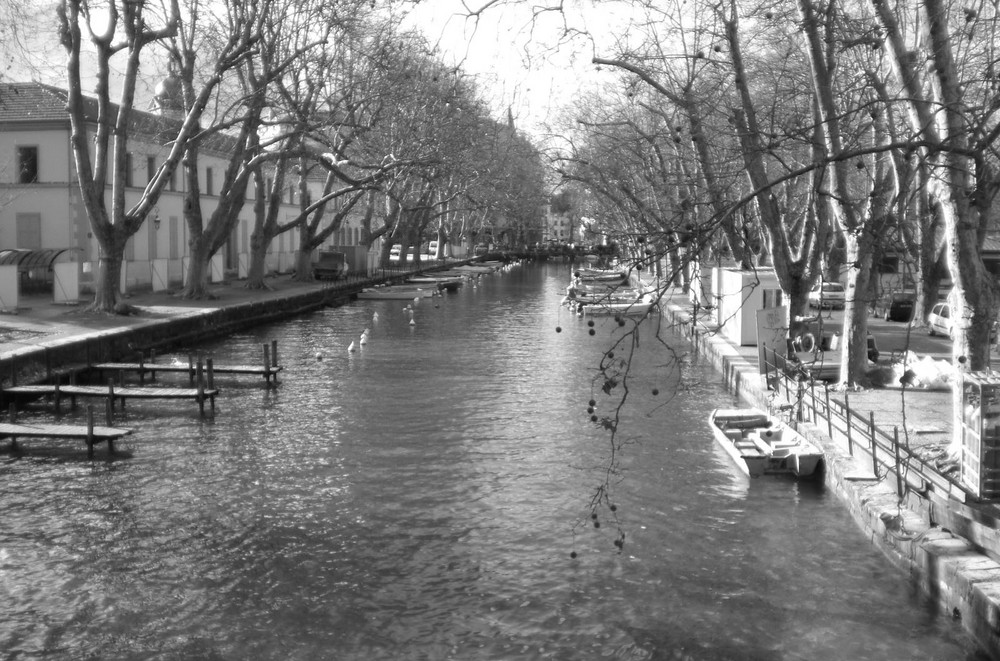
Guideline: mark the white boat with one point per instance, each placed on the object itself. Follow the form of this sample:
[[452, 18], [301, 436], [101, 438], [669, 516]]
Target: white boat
[[760, 444], [396, 293], [600, 275], [631, 306], [451, 283]]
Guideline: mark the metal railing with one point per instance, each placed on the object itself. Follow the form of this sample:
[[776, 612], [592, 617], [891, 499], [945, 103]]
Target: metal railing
[[810, 401]]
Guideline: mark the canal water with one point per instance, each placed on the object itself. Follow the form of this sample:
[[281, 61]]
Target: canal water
[[433, 495]]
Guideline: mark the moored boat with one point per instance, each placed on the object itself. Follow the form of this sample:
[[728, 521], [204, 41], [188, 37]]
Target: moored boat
[[630, 306], [396, 293], [760, 444], [451, 283], [600, 275]]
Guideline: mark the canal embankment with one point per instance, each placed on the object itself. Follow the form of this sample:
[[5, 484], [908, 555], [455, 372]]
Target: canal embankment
[[946, 544]]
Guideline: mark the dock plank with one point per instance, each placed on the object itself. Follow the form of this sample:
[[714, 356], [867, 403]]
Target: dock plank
[[74, 432], [118, 393], [177, 368]]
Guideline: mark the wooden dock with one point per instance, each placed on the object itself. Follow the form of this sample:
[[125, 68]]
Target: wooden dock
[[90, 433], [56, 392], [268, 368]]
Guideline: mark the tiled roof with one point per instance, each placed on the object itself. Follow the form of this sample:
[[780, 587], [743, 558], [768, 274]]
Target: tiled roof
[[33, 102]]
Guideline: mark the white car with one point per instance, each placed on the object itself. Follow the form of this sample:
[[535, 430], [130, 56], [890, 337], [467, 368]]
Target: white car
[[828, 295], [940, 321]]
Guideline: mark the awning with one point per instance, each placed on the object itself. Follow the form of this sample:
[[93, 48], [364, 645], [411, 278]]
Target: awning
[[32, 259]]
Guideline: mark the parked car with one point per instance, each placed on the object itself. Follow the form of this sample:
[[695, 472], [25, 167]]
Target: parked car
[[828, 295], [940, 321], [330, 265], [395, 252], [897, 306]]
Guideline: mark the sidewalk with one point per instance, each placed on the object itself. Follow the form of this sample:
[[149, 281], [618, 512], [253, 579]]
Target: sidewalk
[[41, 323]]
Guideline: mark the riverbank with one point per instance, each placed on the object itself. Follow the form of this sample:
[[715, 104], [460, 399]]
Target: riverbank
[[948, 547]]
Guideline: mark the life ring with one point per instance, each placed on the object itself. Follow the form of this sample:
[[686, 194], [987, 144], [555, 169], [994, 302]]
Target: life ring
[[807, 342]]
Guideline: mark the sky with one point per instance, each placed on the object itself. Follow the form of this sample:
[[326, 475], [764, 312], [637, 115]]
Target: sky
[[533, 64], [523, 60]]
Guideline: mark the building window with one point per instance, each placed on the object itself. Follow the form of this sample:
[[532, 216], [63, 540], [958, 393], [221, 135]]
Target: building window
[[27, 165], [172, 184], [209, 181], [128, 171], [150, 169]]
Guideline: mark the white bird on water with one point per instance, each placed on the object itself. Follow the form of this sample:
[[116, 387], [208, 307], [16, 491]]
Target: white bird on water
[[375, 317], [364, 338], [351, 347]]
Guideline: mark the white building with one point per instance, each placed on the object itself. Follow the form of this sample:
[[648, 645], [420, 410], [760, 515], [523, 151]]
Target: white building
[[41, 207]]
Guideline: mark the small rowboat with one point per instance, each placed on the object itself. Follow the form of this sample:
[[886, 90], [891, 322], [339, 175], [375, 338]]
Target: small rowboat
[[396, 293], [629, 307], [449, 283], [601, 275], [760, 444]]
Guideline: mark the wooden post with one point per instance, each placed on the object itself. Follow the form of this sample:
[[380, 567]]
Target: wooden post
[[267, 362], [111, 394], [142, 368], [210, 372], [191, 372], [108, 412], [274, 353], [90, 431], [56, 397], [48, 365], [152, 359], [12, 416], [201, 391], [871, 431]]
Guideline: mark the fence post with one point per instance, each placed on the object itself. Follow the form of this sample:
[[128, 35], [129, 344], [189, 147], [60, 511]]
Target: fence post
[[829, 414], [798, 407], [871, 432], [849, 425], [895, 450]]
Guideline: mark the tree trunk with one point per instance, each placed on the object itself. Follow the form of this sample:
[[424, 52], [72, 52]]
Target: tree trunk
[[107, 283]]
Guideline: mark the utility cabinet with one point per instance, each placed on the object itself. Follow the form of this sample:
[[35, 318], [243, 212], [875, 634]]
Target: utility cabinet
[[739, 295], [980, 427]]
